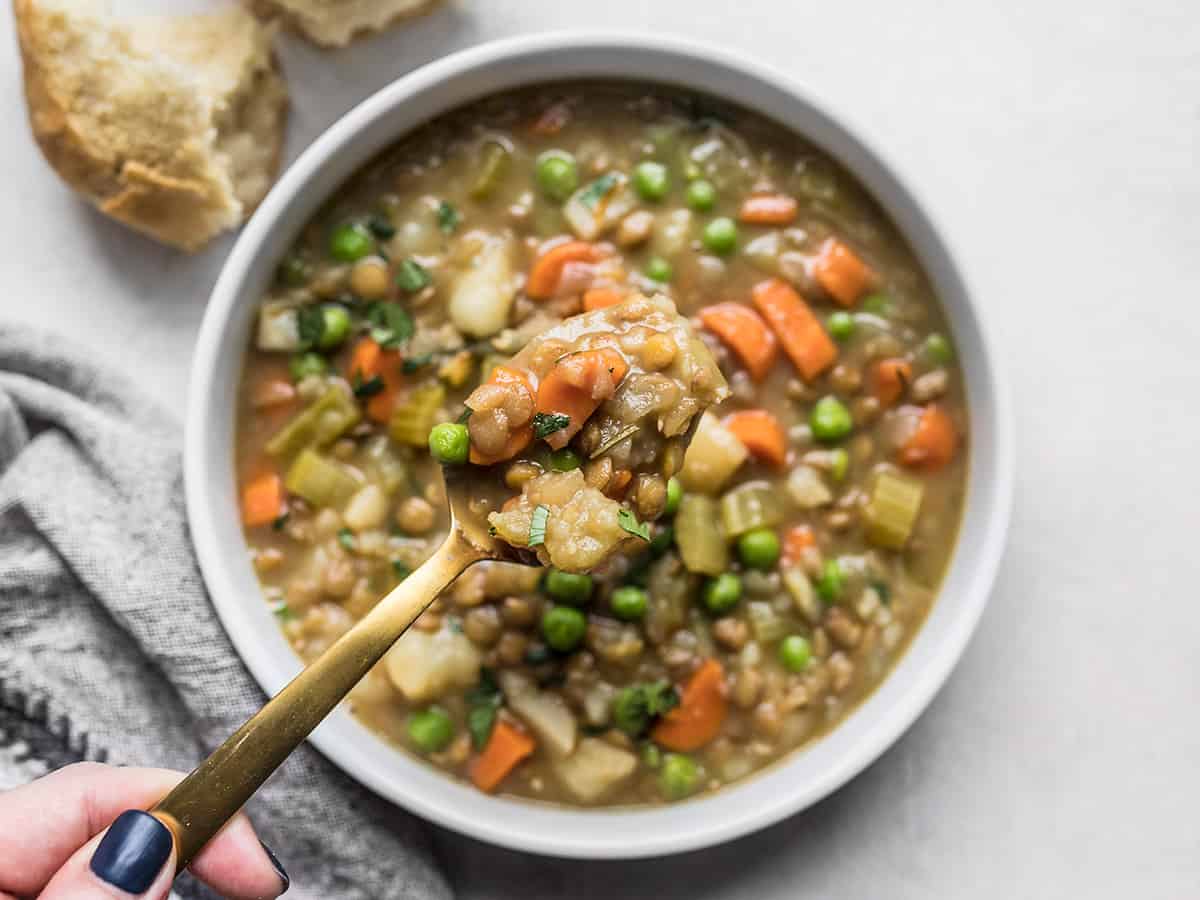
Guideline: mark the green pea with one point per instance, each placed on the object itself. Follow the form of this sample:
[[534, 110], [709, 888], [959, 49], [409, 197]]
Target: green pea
[[830, 420], [651, 180], [658, 269], [877, 304], [350, 242], [336, 326], [674, 496], [839, 463], [629, 603], [720, 236], [795, 653], [568, 587], [759, 549], [563, 627], [937, 348], [450, 443], [430, 729], [829, 586], [841, 325], [678, 776], [700, 195], [557, 174], [304, 364], [721, 594], [565, 460], [662, 540]]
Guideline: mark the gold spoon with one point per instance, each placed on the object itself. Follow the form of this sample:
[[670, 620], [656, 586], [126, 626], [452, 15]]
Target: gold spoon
[[216, 789]]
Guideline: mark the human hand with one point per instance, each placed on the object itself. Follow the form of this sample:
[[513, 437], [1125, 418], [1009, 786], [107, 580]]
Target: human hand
[[78, 834]]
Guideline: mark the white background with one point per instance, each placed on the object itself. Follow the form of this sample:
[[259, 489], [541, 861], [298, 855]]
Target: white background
[[1058, 144]]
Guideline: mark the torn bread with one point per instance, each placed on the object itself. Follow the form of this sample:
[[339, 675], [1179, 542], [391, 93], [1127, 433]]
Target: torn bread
[[334, 23], [173, 126]]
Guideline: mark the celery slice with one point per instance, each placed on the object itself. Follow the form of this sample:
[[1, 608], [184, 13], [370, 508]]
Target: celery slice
[[321, 423], [416, 414], [494, 160], [748, 506], [892, 510], [702, 545], [322, 481]]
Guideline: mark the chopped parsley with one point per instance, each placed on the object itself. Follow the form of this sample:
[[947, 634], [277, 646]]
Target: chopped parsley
[[483, 701], [346, 538], [545, 424], [628, 521], [884, 590], [412, 276], [447, 217], [537, 526], [400, 569], [591, 195], [368, 388], [381, 227], [280, 521], [635, 706], [391, 325], [311, 322], [283, 612]]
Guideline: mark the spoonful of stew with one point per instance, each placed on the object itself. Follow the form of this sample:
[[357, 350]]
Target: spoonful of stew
[[615, 395]]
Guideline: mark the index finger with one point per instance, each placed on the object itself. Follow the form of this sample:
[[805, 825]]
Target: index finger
[[44, 822]]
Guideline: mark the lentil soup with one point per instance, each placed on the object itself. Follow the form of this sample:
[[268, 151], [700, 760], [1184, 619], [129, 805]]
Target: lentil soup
[[755, 596]]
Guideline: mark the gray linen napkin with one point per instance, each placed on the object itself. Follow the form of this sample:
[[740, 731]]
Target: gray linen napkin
[[109, 648]]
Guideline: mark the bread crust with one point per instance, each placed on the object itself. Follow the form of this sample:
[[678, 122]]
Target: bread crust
[[147, 156], [332, 24]]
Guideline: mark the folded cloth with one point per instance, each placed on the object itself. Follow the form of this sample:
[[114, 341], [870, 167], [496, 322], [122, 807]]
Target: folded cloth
[[109, 647]]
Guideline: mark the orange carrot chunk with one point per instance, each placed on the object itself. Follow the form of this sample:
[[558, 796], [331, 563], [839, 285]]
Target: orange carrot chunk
[[933, 442], [889, 379], [547, 269], [700, 714], [506, 747], [520, 438], [262, 500], [601, 298], [369, 360], [841, 273], [761, 434], [576, 387], [364, 361], [768, 209], [796, 540], [805, 342], [745, 333]]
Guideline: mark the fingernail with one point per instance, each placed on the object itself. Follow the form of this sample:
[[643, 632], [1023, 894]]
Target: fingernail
[[279, 870], [133, 851]]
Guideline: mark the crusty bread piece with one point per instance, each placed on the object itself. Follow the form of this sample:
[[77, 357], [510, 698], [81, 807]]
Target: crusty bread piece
[[173, 126], [334, 23]]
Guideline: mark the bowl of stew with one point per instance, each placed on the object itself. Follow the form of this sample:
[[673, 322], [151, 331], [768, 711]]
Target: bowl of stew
[[781, 609]]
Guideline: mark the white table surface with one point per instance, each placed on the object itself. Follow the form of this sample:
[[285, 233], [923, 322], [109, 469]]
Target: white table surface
[[1058, 143]]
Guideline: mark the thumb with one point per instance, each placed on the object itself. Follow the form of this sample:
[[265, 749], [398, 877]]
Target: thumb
[[133, 857]]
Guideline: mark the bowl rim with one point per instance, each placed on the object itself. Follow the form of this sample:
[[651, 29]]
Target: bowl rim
[[802, 777]]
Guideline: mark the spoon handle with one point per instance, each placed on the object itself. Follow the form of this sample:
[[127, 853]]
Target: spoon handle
[[216, 789]]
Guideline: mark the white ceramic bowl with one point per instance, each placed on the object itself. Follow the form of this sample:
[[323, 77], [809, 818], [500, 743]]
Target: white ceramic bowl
[[802, 778]]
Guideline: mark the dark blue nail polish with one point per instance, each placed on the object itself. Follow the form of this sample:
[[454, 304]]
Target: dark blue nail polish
[[283, 876], [133, 852]]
